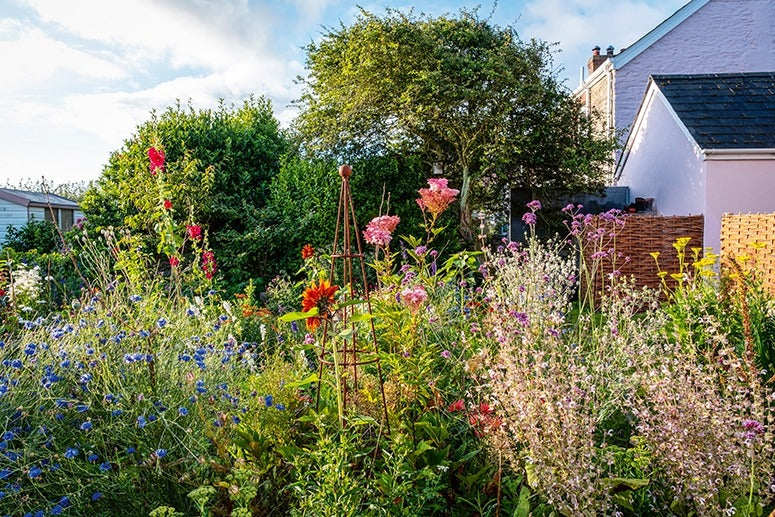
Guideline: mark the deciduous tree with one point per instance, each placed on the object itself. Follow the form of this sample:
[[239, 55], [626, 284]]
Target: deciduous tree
[[470, 96]]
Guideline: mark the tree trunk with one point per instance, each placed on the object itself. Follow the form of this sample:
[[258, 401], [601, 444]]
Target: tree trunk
[[466, 231]]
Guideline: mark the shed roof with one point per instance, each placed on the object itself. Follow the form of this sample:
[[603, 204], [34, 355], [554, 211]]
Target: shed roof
[[36, 199], [724, 111]]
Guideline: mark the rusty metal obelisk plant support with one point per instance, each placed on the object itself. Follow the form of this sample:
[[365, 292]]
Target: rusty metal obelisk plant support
[[344, 354]]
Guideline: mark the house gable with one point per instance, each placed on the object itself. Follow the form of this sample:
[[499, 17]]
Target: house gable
[[662, 161]]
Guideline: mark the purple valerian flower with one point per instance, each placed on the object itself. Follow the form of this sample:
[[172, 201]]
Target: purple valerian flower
[[534, 205], [445, 354], [529, 218]]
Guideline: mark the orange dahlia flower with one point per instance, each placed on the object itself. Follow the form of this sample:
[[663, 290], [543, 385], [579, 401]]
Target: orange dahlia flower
[[319, 295], [307, 251]]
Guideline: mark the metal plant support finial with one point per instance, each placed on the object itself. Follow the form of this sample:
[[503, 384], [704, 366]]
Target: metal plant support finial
[[344, 355]]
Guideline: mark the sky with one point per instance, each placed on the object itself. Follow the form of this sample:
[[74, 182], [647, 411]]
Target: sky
[[77, 77]]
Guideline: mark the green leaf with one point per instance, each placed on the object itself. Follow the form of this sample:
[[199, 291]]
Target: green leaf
[[303, 383], [523, 507], [295, 316], [363, 316]]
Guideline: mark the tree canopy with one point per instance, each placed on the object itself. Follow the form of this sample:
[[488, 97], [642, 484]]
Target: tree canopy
[[469, 96]]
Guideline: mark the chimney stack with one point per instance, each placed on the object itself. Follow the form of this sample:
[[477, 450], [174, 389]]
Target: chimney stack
[[596, 60]]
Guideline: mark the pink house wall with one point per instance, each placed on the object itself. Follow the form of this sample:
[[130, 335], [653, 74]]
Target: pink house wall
[[724, 36], [737, 186]]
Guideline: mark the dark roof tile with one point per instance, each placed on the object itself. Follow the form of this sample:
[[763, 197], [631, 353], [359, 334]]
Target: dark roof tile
[[724, 111]]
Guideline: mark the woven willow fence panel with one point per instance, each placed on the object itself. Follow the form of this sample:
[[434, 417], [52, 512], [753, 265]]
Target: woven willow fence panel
[[635, 240], [750, 235]]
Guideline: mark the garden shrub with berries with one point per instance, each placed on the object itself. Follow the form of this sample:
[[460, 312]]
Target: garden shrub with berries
[[502, 389]]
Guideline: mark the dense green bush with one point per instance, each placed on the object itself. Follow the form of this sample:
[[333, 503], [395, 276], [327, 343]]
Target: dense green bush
[[41, 236], [217, 171]]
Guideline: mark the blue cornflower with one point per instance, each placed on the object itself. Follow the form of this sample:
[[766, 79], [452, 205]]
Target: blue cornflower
[[17, 363], [86, 426], [35, 472], [144, 333], [161, 323], [71, 453], [141, 421], [183, 411], [236, 419], [185, 357], [92, 457], [130, 450], [116, 412], [59, 417], [8, 435], [65, 364], [5, 474], [223, 317], [3, 445], [161, 453], [135, 298], [57, 510], [81, 408], [190, 312], [96, 496], [30, 349], [281, 407], [268, 400], [64, 502], [152, 417], [105, 466]]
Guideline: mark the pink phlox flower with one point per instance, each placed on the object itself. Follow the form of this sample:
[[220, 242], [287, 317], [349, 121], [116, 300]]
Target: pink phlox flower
[[414, 297], [438, 197], [379, 231]]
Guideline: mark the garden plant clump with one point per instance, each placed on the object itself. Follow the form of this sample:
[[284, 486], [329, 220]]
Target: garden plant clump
[[508, 390]]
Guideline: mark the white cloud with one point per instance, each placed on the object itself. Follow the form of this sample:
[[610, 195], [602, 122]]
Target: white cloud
[[184, 34], [30, 59]]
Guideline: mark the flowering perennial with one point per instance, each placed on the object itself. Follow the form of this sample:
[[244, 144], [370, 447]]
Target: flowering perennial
[[438, 197], [156, 157], [414, 297], [380, 229], [208, 264], [320, 296]]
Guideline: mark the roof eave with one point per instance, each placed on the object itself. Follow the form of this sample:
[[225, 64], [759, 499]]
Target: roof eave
[[765, 153]]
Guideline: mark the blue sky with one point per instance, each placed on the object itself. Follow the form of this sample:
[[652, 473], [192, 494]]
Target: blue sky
[[78, 76]]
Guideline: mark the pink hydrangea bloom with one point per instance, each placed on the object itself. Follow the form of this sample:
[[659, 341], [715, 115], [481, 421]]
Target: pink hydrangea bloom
[[379, 231], [414, 297], [438, 197]]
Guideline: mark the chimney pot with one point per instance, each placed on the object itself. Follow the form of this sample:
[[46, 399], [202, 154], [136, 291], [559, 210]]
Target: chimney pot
[[596, 50], [610, 50]]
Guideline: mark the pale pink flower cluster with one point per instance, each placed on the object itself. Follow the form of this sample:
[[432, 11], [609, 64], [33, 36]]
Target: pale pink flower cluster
[[438, 197], [379, 230], [414, 297]]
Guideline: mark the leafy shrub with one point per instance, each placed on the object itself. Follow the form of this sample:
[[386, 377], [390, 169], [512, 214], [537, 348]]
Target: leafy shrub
[[40, 236]]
